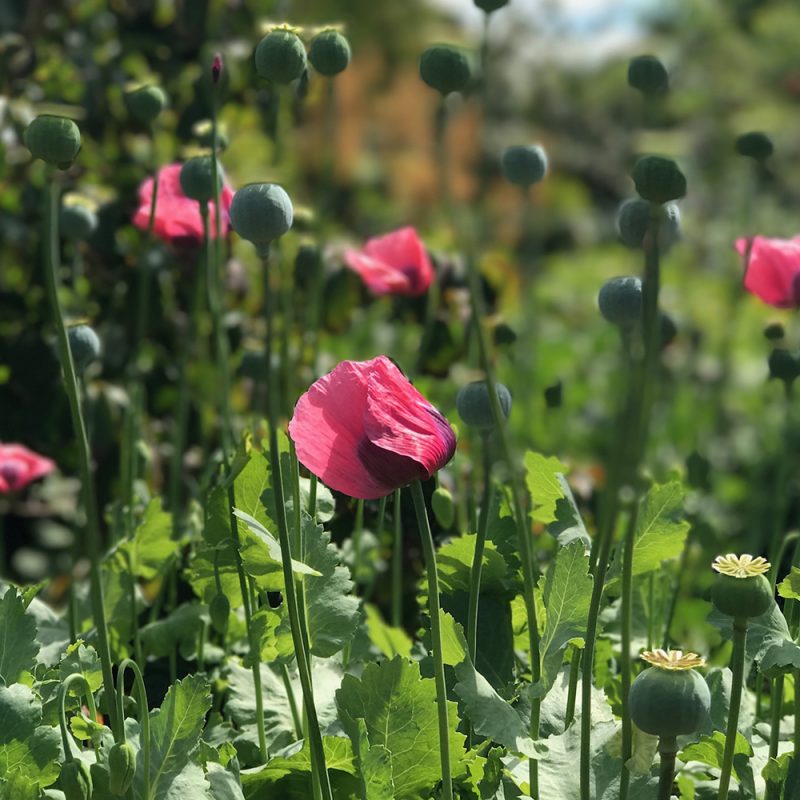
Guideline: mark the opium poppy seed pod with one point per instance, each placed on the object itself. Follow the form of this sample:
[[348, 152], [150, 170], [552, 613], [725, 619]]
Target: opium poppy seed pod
[[783, 365], [56, 140], [633, 220], [755, 144], [261, 213], [490, 5], [77, 222], [444, 68], [20, 466], [648, 75], [620, 301], [474, 405], [197, 179], [329, 53], [741, 589], [146, 103], [280, 56], [658, 179], [364, 430], [85, 346], [524, 165]]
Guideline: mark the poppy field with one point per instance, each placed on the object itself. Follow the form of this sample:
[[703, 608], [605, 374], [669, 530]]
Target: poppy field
[[394, 404]]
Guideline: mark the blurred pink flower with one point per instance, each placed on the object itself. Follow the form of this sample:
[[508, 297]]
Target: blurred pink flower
[[177, 216], [365, 431], [20, 466], [395, 263], [772, 269]]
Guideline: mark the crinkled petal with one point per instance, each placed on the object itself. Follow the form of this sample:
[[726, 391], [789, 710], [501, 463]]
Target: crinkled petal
[[380, 277], [19, 466], [772, 269]]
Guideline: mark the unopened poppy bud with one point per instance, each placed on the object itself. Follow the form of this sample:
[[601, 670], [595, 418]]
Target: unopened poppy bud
[[443, 507], [648, 75], [196, 179], [216, 68], [756, 145], [444, 68], [84, 344], [474, 405], [774, 331], [658, 179], [121, 768], [329, 53], [219, 611], [620, 301], [280, 56], [146, 103], [783, 365], [524, 165], [56, 140], [77, 222], [75, 780], [261, 213], [490, 5], [741, 589]]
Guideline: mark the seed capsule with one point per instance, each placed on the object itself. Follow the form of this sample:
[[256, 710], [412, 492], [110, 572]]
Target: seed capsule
[[620, 301], [146, 103], [658, 179], [280, 56], [524, 165], [197, 180], [77, 222], [56, 140], [444, 68], [261, 213], [741, 588], [755, 145], [85, 346], [329, 53], [648, 75], [474, 405]]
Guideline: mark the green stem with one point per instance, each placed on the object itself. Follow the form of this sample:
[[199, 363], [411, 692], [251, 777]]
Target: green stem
[[781, 494], [93, 544], [668, 749], [144, 717], [397, 564], [436, 636], [66, 739], [287, 684], [774, 788], [737, 668], [572, 691], [673, 603], [358, 536], [796, 738]]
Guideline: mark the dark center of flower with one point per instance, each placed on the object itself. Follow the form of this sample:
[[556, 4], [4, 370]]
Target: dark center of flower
[[388, 468], [796, 288], [11, 472]]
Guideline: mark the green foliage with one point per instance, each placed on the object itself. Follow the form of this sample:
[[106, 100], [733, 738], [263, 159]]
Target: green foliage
[[18, 645], [152, 548], [709, 750], [789, 587], [389, 640], [544, 485]]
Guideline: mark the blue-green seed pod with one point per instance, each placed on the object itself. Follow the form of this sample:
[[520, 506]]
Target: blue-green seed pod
[[121, 768], [774, 332], [444, 508], [524, 165], [633, 219], [658, 179], [444, 68], [77, 222], [280, 56], [85, 346], [56, 140], [75, 780], [648, 75], [783, 365], [490, 5], [329, 53], [197, 180], [620, 301], [742, 597], [474, 405], [755, 145], [146, 103], [261, 213]]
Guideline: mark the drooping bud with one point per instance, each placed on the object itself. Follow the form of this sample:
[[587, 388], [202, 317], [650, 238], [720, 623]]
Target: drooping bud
[[216, 68], [56, 140], [444, 68], [648, 75], [329, 53], [280, 56], [121, 768], [524, 165], [474, 404], [75, 780]]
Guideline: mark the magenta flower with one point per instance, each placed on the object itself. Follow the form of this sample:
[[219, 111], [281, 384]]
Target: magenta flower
[[364, 430], [178, 216], [396, 263], [772, 269], [20, 466]]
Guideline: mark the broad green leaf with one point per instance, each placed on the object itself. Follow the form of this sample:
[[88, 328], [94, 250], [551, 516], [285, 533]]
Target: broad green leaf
[[567, 593], [52, 632], [454, 643], [454, 566], [331, 607], [777, 768], [225, 785], [780, 659], [250, 484], [83, 660], [399, 710], [180, 629], [544, 485], [375, 766], [152, 547], [490, 715], [762, 632], [119, 589], [271, 629], [389, 640], [18, 645], [217, 527], [709, 750], [174, 735], [660, 530], [568, 525], [789, 587]]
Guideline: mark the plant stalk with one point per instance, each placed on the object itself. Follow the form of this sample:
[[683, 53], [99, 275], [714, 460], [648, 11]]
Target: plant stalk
[[737, 667]]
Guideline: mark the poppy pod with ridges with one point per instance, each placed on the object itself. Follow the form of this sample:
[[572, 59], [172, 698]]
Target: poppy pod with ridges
[[741, 588]]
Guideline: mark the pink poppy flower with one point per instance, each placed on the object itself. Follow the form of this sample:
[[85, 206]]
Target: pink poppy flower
[[772, 269], [396, 263], [20, 466], [366, 431], [178, 216]]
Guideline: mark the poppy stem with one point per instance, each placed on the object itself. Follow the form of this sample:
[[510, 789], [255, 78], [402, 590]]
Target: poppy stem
[[397, 564], [774, 787], [429, 554], [144, 716], [737, 667], [668, 749], [93, 543]]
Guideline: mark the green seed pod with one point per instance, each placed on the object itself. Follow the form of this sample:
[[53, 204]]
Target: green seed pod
[[755, 145], [741, 589], [444, 68], [633, 219], [475, 408], [146, 103], [524, 165], [658, 179], [196, 178], [56, 140], [648, 75], [75, 780], [85, 346], [329, 53], [490, 5], [121, 768], [444, 508], [280, 56], [783, 365], [77, 222], [620, 301], [670, 698], [261, 213], [219, 610], [774, 332]]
